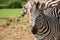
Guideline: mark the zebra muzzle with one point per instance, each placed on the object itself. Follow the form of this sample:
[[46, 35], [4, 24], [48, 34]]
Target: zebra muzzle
[[34, 30]]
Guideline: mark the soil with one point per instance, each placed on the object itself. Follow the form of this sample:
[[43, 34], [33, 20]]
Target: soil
[[15, 29]]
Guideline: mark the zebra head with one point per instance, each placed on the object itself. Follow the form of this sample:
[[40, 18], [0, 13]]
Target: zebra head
[[37, 16], [26, 8]]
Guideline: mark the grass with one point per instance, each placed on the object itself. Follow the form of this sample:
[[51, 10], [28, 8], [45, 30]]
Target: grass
[[7, 13]]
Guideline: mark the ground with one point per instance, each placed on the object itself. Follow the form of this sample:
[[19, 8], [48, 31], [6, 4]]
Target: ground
[[15, 29]]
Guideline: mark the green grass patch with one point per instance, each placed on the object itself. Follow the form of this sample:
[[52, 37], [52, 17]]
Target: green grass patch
[[7, 13]]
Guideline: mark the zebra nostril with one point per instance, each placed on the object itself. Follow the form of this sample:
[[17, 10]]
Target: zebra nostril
[[34, 30]]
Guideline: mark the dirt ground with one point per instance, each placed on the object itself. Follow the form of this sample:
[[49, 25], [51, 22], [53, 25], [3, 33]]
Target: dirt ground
[[15, 29]]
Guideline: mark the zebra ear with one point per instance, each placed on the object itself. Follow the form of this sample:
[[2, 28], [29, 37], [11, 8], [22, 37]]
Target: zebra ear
[[41, 6], [37, 5], [31, 3]]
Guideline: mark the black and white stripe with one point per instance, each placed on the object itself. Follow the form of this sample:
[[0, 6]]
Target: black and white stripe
[[52, 3]]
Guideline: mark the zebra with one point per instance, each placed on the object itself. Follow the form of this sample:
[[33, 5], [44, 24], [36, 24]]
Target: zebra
[[44, 27], [27, 9]]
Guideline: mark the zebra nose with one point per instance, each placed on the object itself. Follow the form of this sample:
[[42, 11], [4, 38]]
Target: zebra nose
[[34, 30]]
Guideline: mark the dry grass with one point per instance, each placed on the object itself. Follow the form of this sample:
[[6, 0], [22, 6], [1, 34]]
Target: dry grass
[[15, 29]]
